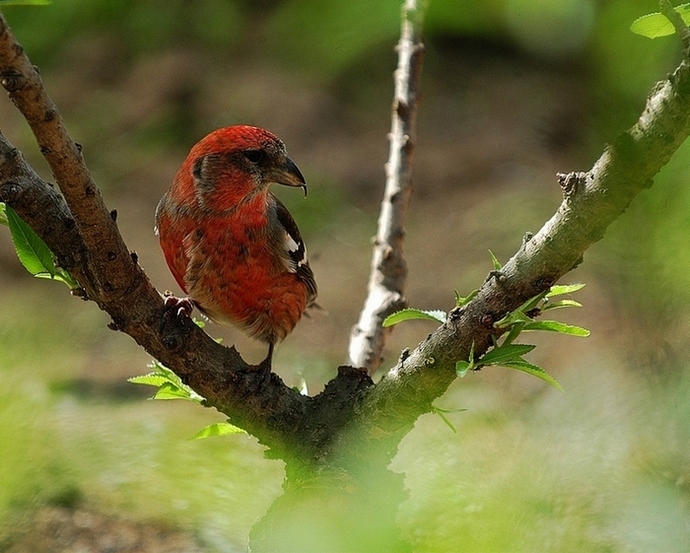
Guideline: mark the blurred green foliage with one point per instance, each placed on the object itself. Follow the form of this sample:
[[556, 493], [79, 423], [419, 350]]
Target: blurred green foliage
[[603, 467]]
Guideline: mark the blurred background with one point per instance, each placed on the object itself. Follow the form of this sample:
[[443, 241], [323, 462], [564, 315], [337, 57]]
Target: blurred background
[[513, 92]]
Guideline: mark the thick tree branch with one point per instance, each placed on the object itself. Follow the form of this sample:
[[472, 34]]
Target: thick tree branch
[[592, 201], [84, 237], [388, 275]]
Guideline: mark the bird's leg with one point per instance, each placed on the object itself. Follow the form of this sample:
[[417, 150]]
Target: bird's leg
[[267, 363], [180, 306]]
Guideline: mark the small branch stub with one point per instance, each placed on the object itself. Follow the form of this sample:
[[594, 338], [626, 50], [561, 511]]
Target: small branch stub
[[678, 24]]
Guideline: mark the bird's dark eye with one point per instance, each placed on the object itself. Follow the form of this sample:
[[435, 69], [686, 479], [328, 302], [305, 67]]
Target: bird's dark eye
[[253, 155]]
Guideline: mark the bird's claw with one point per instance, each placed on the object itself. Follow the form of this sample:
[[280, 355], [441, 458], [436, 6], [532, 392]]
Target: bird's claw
[[180, 306]]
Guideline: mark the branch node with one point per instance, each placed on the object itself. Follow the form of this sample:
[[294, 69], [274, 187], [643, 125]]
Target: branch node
[[498, 275], [10, 192], [487, 321], [571, 182], [12, 80]]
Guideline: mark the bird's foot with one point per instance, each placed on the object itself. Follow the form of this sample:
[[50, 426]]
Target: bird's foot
[[179, 306], [267, 364]]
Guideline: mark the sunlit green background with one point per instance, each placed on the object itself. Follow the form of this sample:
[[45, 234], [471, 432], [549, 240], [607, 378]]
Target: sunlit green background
[[513, 92]]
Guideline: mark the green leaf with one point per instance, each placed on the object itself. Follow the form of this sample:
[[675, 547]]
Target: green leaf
[[502, 354], [560, 304], [512, 318], [151, 379], [31, 250], [656, 24], [168, 390], [410, 314], [445, 419], [218, 429], [556, 326], [515, 331], [495, 261], [534, 370], [561, 289], [170, 386], [460, 300], [3, 215], [462, 368]]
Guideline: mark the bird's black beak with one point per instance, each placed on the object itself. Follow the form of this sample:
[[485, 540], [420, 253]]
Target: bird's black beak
[[288, 174]]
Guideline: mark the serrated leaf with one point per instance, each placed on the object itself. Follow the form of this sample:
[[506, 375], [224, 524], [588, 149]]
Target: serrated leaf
[[61, 276], [410, 313], [560, 289], [656, 24], [460, 300], [170, 386], [534, 370], [3, 215], [151, 379], [218, 429], [505, 353], [168, 390], [561, 304], [31, 250], [496, 263], [556, 326]]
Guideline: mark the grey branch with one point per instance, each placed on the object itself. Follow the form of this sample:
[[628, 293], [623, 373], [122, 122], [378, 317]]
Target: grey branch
[[388, 276]]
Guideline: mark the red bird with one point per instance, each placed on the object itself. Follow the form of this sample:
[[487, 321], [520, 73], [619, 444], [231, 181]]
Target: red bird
[[231, 245]]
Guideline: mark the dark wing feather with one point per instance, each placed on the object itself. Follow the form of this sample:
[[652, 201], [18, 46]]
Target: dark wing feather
[[296, 250]]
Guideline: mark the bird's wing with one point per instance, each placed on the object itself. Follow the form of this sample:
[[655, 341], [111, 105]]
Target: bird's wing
[[295, 251]]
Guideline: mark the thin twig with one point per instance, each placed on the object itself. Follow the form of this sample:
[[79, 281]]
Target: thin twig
[[388, 276], [677, 21]]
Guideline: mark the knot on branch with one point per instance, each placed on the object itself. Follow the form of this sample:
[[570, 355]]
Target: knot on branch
[[12, 80], [571, 182], [174, 329], [11, 192]]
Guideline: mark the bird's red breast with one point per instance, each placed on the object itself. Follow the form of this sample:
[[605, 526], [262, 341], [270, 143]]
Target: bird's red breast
[[230, 244]]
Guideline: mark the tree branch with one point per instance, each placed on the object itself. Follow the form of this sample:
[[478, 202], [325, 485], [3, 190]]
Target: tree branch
[[677, 21], [388, 276], [592, 201], [84, 237]]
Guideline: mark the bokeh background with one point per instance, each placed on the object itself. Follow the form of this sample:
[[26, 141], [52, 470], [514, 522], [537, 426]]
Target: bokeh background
[[513, 92]]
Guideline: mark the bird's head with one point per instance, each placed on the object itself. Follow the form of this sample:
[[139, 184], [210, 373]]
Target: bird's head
[[233, 164]]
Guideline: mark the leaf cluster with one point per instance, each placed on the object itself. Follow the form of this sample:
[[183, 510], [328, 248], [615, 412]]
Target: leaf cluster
[[170, 386], [655, 25], [524, 318]]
